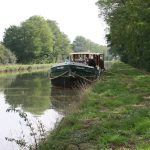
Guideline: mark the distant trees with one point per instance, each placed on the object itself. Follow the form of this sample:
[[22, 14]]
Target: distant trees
[[6, 56], [129, 35], [61, 43], [81, 44], [36, 40]]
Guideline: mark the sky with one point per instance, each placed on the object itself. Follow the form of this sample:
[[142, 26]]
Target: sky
[[74, 17]]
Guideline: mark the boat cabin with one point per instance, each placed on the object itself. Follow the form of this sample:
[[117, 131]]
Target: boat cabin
[[91, 59]]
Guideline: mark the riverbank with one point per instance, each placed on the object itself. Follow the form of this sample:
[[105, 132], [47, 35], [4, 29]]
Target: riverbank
[[114, 114], [22, 68]]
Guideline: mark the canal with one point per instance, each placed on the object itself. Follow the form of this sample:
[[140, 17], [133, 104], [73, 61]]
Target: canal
[[33, 94]]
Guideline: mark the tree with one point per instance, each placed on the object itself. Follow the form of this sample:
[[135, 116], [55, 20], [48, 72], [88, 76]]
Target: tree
[[36, 40], [13, 41], [6, 56], [129, 27], [65, 46], [31, 42], [81, 44], [61, 42]]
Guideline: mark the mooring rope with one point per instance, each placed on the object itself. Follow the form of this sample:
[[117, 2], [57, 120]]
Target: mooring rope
[[74, 74], [58, 76], [91, 81]]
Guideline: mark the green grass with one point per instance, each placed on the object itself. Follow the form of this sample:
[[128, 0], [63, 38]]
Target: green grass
[[114, 114], [21, 68]]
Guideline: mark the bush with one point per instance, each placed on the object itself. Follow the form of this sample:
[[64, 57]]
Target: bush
[[6, 56]]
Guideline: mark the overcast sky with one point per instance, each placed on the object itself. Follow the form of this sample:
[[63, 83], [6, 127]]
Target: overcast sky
[[74, 17]]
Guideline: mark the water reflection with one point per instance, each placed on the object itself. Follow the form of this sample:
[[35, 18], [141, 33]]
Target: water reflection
[[63, 98], [31, 93], [5, 81], [11, 125]]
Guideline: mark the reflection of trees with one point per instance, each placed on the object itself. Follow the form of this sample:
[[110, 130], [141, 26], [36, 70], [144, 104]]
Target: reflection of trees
[[33, 93], [6, 80], [30, 91]]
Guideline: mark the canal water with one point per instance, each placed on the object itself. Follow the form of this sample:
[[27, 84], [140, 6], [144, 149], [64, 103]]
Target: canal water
[[33, 94]]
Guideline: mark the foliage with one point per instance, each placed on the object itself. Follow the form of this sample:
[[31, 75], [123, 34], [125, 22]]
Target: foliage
[[109, 56], [61, 42], [81, 44], [113, 114], [39, 136], [6, 56], [129, 30], [36, 40]]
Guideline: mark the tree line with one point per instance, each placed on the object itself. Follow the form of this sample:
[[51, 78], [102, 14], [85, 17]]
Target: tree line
[[37, 40], [129, 30], [81, 44]]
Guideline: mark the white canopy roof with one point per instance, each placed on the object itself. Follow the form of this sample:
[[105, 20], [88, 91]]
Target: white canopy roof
[[84, 53]]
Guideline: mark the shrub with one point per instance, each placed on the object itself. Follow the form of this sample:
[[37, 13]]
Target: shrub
[[6, 56]]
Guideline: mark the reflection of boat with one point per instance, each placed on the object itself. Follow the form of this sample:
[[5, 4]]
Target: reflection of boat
[[82, 67], [63, 98]]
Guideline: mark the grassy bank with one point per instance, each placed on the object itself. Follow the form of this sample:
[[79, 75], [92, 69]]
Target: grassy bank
[[20, 67], [114, 114]]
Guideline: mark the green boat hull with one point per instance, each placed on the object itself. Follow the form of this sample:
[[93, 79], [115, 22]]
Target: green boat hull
[[73, 74]]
